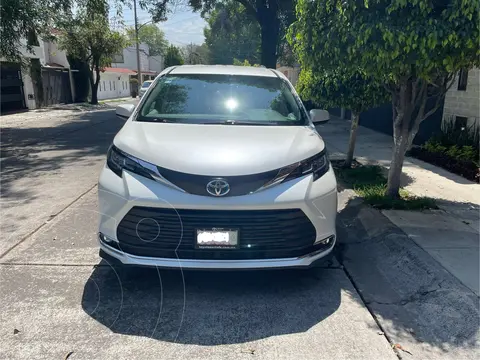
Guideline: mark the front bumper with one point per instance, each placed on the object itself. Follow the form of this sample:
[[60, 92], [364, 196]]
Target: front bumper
[[118, 195], [107, 252]]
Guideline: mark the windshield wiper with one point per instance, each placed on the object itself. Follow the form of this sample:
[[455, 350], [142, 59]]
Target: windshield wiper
[[241, 122], [152, 119]]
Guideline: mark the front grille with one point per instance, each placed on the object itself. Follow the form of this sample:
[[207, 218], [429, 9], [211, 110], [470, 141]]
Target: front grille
[[263, 234], [197, 184]]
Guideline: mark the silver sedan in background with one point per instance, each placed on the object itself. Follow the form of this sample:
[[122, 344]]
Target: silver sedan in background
[[144, 88]]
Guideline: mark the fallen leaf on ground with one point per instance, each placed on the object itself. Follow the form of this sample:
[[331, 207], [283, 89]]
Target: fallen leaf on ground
[[249, 351], [400, 347]]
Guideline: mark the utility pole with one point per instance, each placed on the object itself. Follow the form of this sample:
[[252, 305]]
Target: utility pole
[[139, 69]]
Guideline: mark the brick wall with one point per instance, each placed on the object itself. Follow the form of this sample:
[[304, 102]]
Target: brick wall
[[464, 103]]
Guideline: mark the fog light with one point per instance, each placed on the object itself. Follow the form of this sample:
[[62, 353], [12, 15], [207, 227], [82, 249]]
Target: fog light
[[326, 241], [105, 239]]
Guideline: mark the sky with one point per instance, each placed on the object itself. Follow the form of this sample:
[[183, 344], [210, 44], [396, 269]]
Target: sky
[[181, 28]]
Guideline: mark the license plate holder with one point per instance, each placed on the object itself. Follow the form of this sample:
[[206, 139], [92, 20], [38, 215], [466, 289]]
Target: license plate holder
[[216, 238]]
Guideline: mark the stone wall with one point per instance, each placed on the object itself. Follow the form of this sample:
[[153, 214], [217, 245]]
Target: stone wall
[[464, 103]]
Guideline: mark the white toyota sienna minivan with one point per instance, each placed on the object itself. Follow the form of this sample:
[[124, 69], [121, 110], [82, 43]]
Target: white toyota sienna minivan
[[218, 167]]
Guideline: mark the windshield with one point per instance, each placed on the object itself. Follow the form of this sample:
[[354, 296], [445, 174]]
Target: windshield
[[227, 99], [146, 84]]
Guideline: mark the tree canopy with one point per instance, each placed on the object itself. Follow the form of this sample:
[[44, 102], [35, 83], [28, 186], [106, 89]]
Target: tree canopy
[[88, 38], [194, 54], [27, 19], [151, 35], [339, 88], [173, 56], [342, 88], [415, 47], [231, 34], [273, 17]]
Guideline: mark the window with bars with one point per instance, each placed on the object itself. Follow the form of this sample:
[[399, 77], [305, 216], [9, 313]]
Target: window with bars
[[462, 79]]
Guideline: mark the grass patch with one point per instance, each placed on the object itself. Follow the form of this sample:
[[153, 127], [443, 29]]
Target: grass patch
[[370, 183]]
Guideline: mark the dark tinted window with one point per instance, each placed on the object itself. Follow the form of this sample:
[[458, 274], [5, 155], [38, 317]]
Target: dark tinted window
[[462, 79], [219, 98]]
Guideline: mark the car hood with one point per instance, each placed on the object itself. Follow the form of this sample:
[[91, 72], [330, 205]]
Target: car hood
[[218, 150]]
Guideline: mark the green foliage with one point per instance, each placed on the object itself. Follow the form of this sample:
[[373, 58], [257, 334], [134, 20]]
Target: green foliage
[[245, 62], [231, 33], [88, 38], [459, 152], [173, 56], [434, 146], [458, 143], [389, 39], [36, 75], [151, 35], [272, 17], [27, 19], [453, 135], [338, 88], [196, 54], [413, 47], [370, 183]]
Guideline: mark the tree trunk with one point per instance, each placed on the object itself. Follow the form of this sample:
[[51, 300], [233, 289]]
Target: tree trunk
[[270, 27], [94, 85], [94, 100], [403, 108], [353, 139], [409, 100], [400, 144]]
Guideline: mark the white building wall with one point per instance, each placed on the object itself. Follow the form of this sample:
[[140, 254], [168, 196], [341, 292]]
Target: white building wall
[[464, 103], [46, 52], [291, 73], [130, 58], [156, 63], [37, 52], [113, 85], [54, 55]]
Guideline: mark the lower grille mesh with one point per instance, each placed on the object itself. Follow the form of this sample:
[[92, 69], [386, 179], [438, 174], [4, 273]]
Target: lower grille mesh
[[161, 232]]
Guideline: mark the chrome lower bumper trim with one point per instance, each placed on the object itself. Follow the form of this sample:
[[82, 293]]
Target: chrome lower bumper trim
[[298, 262]]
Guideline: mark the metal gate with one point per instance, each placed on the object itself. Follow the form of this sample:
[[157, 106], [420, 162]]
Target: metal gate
[[12, 97], [56, 86]]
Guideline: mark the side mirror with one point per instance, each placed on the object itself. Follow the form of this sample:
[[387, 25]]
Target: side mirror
[[319, 116], [124, 111]]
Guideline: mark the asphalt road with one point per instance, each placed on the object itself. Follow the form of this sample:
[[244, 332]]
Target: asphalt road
[[58, 298]]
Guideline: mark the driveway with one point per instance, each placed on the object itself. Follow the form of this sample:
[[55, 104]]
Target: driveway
[[59, 299]]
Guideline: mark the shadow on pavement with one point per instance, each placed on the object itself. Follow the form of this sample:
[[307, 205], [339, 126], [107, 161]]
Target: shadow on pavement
[[420, 304], [209, 308], [32, 152]]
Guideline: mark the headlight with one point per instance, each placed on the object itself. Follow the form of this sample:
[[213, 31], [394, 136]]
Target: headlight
[[118, 160], [317, 165]]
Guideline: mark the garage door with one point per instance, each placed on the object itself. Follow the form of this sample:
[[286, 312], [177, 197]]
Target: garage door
[[12, 97], [56, 86]]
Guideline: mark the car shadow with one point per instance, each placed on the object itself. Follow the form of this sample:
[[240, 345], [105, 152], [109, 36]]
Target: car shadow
[[209, 308]]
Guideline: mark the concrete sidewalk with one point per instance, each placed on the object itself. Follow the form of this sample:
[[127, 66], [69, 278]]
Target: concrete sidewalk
[[420, 178], [450, 235]]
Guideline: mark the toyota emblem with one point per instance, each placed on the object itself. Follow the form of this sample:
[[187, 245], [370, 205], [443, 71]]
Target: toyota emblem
[[218, 187]]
